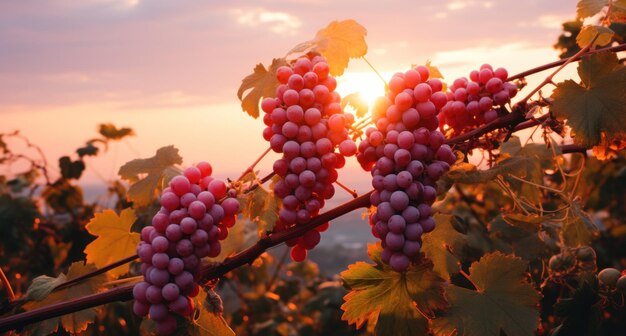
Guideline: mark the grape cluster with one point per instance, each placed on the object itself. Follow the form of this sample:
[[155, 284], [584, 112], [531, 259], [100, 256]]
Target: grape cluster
[[407, 155], [196, 212], [471, 103], [306, 123], [582, 258], [612, 278]]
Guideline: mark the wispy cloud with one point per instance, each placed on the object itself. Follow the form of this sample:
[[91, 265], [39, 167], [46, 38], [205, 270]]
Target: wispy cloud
[[276, 22]]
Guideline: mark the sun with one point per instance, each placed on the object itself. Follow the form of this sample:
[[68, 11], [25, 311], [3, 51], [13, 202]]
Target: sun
[[368, 84]]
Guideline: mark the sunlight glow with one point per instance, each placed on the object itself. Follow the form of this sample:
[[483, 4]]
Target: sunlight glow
[[368, 84]]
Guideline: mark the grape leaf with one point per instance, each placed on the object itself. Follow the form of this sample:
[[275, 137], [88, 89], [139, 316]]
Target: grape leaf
[[608, 150], [260, 205], [596, 105], [115, 240], [142, 191], [356, 101], [241, 236], [467, 173], [76, 322], [578, 227], [111, 132], [587, 33], [207, 322], [433, 71], [340, 41], [42, 286], [391, 298], [587, 8], [71, 169], [438, 244], [261, 83], [537, 158], [503, 301]]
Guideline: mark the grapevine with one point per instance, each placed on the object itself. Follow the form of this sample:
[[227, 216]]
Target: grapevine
[[496, 207]]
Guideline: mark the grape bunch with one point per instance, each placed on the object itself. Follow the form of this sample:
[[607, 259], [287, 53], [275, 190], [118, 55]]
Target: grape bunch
[[573, 260], [306, 123], [406, 155], [196, 212], [612, 278], [472, 103]]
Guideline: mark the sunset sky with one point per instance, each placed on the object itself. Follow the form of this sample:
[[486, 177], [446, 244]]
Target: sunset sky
[[171, 69]]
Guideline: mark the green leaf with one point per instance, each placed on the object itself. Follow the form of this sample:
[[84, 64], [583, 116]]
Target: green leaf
[[438, 244], [42, 286], [598, 104], [109, 131], [142, 191], [261, 83], [586, 35], [76, 322], [381, 294], [356, 101], [587, 8], [502, 302]]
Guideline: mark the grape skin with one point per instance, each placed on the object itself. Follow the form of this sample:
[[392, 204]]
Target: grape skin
[[475, 102], [406, 155], [306, 123], [188, 227]]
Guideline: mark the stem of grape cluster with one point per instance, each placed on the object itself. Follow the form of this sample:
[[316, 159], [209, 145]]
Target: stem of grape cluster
[[352, 192], [375, 71], [251, 168]]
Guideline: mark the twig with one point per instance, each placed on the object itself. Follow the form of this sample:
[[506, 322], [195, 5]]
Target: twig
[[617, 48], [281, 262], [569, 60], [7, 284], [251, 168], [469, 203], [345, 187], [262, 181]]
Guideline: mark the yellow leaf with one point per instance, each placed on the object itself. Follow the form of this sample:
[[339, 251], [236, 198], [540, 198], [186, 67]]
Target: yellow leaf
[[261, 83], [115, 240], [209, 321], [76, 322], [142, 192], [588, 33], [433, 71], [340, 41], [399, 303]]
